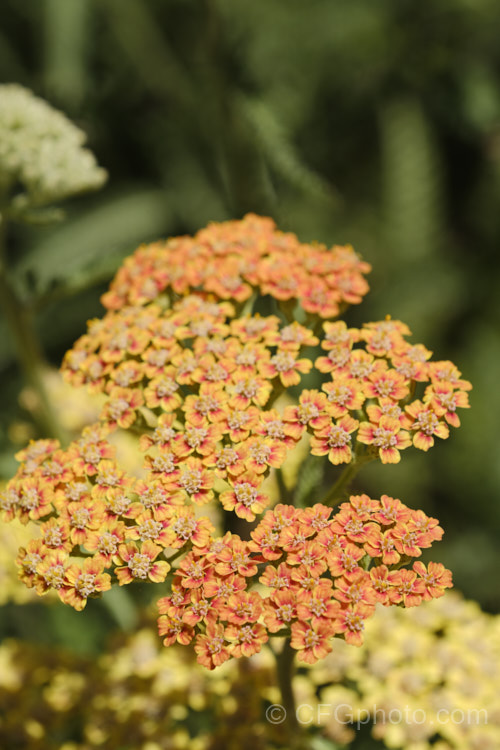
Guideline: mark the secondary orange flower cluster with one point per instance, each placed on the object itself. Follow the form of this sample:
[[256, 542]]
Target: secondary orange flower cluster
[[235, 259], [87, 507], [325, 574], [375, 374], [200, 383], [320, 578]]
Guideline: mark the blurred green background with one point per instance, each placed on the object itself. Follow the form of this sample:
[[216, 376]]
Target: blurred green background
[[371, 123]]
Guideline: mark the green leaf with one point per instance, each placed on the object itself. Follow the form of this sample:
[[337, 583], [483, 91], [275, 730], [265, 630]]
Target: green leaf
[[83, 246], [281, 153], [66, 35], [309, 479], [34, 216], [412, 187]]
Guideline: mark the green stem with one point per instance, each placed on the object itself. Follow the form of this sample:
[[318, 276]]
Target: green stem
[[286, 496], [181, 551], [121, 607], [280, 634], [29, 353], [338, 491], [285, 667]]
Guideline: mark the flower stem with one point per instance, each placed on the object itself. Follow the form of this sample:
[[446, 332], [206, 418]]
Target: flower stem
[[338, 491], [285, 667], [121, 607], [286, 495], [19, 319]]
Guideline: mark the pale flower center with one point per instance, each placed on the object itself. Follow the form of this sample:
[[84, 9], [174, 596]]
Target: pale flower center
[[317, 607], [119, 505], [216, 373], [360, 368], [185, 527], [85, 585], [238, 419], [163, 434], [166, 387], [311, 639], [246, 494], [246, 634], [285, 612], [338, 437], [354, 527], [354, 622], [248, 388], [53, 537], [384, 388], [124, 377], [246, 358], [274, 429], [340, 394], [55, 576], [448, 401], [306, 412], [214, 645], [152, 497], [383, 438], [165, 464], [339, 355], [52, 468], [227, 457], [427, 422], [8, 500], [150, 529], [108, 543], [108, 477], [30, 499], [139, 565], [76, 490], [195, 436], [31, 561], [260, 453], [158, 357], [191, 480], [195, 570], [291, 333], [391, 410], [120, 341], [283, 361], [205, 404], [91, 452]]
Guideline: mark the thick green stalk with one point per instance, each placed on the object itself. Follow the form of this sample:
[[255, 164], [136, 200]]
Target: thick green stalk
[[29, 353], [285, 669]]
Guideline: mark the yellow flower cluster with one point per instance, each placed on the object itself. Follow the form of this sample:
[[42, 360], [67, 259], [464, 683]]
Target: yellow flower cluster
[[435, 667], [11, 589], [426, 678]]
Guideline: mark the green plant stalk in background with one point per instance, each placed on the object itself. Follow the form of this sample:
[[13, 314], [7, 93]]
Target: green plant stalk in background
[[21, 325]]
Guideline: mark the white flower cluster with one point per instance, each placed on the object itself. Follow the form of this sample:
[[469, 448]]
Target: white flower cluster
[[41, 151]]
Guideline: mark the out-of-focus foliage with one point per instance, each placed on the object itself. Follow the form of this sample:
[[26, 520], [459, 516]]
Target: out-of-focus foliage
[[436, 665]]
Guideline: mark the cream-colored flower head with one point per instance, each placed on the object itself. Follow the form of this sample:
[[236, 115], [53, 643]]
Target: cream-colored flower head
[[41, 151]]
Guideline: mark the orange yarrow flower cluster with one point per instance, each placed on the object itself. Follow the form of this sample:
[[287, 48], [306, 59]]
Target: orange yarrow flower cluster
[[200, 382], [96, 523], [233, 259], [304, 573]]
